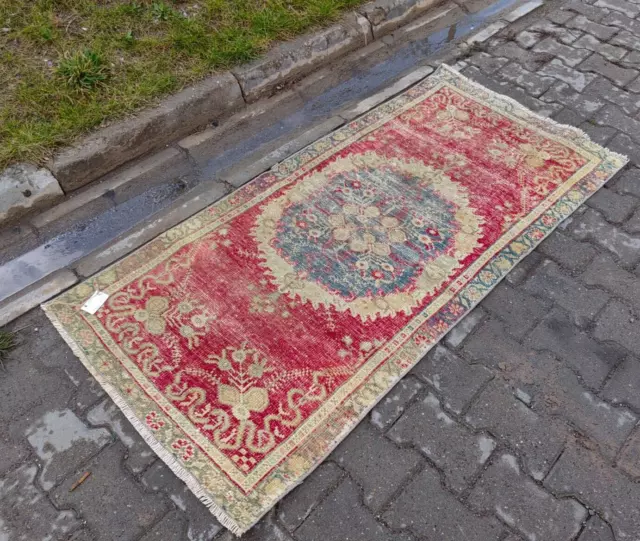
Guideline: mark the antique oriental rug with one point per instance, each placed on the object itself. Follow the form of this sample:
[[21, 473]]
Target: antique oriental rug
[[245, 343]]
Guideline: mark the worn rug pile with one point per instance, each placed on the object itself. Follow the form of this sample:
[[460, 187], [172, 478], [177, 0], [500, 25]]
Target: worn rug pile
[[247, 342]]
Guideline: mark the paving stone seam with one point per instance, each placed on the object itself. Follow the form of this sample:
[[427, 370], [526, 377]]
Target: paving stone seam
[[459, 420], [325, 493]]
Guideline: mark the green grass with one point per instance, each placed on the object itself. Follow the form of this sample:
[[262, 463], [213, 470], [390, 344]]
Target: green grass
[[67, 66], [7, 343]]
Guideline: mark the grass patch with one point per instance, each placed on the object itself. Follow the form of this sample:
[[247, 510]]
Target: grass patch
[[7, 343], [69, 65]]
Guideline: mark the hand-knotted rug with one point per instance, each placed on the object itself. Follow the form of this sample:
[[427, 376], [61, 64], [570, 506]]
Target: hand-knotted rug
[[247, 342]]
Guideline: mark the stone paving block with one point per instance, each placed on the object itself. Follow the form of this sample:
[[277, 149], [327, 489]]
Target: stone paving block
[[139, 454], [627, 101], [571, 254], [171, 528], [569, 55], [560, 32], [62, 442], [600, 31], [450, 445], [114, 506], [11, 452], [605, 273], [555, 388], [268, 529], [596, 530], [26, 514], [296, 506], [598, 134], [629, 457], [624, 145], [633, 224], [610, 52], [528, 60], [590, 12], [457, 335], [513, 91], [634, 86], [628, 183], [561, 16], [632, 59], [539, 440], [523, 505], [522, 270], [617, 322], [518, 311], [393, 405], [607, 426], [592, 226], [375, 463], [527, 39], [583, 103], [487, 63], [615, 18], [583, 473], [591, 360], [342, 516], [533, 83], [455, 379], [569, 117], [613, 116], [85, 535], [434, 514], [627, 8], [558, 70], [549, 282], [202, 524], [600, 65]]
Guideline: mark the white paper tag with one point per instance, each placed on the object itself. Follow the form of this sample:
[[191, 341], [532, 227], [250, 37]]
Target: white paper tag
[[95, 302]]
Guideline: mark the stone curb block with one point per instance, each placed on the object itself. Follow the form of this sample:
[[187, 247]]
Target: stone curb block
[[302, 56], [219, 96], [25, 187], [154, 165], [387, 15], [40, 292], [177, 116]]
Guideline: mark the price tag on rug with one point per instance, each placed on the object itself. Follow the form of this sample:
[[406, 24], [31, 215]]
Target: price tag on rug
[[95, 302]]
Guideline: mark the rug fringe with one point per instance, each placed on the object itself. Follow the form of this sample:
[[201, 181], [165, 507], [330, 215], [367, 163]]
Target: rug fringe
[[546, 120], [146, 434]]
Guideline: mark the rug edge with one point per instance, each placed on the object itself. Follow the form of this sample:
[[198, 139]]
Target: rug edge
[[544, 119]]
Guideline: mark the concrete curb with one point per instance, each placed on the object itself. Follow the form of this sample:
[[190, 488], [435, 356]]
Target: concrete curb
[[219, 96]]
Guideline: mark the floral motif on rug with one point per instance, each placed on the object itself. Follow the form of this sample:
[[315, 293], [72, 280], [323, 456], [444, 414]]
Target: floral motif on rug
[[245, 343]]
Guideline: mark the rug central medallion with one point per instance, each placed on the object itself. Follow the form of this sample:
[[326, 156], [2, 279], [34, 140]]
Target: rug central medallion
[[367, 234]]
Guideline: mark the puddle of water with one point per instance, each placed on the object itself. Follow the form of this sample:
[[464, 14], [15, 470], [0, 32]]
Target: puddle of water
[[70, 246]]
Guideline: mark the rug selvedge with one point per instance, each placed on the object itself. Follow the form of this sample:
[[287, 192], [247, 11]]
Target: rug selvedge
[[239, 497]]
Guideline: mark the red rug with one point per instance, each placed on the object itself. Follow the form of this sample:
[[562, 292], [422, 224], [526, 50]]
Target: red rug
[[245, 343]]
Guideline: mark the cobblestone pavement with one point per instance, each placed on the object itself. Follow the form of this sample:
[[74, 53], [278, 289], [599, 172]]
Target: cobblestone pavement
[[522, 425]]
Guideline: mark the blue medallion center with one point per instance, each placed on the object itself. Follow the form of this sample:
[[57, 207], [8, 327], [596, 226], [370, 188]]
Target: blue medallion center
[[367, 232]]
